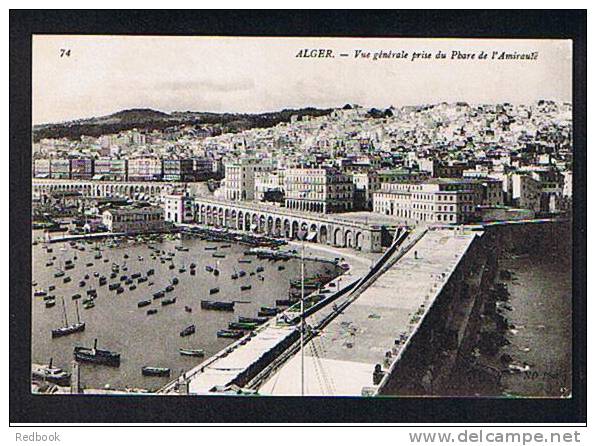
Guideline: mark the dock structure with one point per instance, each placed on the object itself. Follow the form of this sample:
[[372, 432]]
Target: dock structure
[[354, 352]]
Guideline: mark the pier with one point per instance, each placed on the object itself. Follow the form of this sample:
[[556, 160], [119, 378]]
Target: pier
[[355, 351]]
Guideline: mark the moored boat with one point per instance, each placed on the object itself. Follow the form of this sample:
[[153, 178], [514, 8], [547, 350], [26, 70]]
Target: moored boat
[[234, 334], [268, 311], [96, 356], [242, 325], [188, 330], [67, 328], [168, 301], [155, 371], [254, 320], [198, 352], [216, 305], [54, 375]]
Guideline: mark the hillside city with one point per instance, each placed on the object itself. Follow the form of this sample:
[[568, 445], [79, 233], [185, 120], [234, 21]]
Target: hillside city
[[445, 163], [399, 250]]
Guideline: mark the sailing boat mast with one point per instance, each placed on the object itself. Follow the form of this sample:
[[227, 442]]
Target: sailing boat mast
[[64, 312], [77, 308]]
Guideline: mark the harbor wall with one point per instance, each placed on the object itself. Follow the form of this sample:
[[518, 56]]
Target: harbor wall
[[451, 328]]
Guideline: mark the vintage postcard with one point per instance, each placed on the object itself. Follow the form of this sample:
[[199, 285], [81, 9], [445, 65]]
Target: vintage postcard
[[276, 216]]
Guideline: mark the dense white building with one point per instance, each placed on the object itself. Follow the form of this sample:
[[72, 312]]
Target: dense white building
[[433, 201], [269, 182], [323, 190], [239, 181], [438, 200], [178, 208]]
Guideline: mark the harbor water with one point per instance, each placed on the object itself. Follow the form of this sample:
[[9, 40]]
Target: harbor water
[[541, 327], [121, 326]]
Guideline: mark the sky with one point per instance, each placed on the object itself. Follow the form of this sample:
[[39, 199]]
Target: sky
[[105, 74]]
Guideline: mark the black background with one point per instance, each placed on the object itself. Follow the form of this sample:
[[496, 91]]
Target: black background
[[28, 408]]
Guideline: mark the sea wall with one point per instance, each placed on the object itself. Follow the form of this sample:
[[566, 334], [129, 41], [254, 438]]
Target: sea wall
[[450, 331]]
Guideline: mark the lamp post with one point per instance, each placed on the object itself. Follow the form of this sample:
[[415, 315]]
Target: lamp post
[[302, 236]]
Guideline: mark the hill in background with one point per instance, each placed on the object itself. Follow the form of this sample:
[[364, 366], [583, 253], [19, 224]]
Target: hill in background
[[145, 119]]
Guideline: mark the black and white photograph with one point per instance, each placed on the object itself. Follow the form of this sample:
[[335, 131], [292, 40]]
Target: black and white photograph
[[341, 217], [333, 217]]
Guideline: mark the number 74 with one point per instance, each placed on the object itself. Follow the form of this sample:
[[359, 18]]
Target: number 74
[[64, 52]]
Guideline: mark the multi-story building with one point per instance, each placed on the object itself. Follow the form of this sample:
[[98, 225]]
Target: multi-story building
[[239, 181], [41, 168], [111, 169], [60, 169], [203, 168], [178, 208], [145, 169], [401, 175], [490, 191], [525, 192], [178, 170], [269, 184], [323, 190], [365, 184], [105, 144], [438, 200], [440, 169], [134, 219], [568, 183], [81, 168]]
